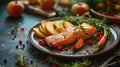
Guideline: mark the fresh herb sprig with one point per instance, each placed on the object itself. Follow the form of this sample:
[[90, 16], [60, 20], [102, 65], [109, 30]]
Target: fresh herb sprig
[[64, 13], [84, 63], [99, 23], [21, 60]]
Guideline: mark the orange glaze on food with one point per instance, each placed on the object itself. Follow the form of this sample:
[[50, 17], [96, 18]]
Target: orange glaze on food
[[90, 30], [71, 35]]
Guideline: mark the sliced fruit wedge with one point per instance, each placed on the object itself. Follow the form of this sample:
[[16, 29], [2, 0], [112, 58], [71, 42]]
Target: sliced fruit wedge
[[59, 26], [50, 28], [38, 33], [67, 24], [43, 31]]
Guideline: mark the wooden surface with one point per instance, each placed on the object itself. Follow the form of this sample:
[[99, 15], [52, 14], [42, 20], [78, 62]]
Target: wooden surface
[[27, 20]]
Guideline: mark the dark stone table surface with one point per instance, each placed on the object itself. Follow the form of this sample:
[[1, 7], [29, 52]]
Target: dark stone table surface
[[8, 48]]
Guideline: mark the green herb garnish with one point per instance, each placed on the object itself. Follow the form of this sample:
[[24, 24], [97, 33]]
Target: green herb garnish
[[99, 23], [21, 60], [84, 63], [64, 35]]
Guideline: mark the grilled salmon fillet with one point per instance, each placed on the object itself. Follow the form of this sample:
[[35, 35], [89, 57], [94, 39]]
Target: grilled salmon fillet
[[72, 34], [90, 30]]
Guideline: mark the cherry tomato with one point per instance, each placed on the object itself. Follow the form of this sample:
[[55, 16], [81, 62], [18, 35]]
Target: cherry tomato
[[100, 33], [54, 44], [66, 49], [90, 42], [59, 48], [100, 36], [41, 42]]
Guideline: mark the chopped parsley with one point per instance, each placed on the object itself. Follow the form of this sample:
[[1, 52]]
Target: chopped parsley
[[56, 39], [64, 35]]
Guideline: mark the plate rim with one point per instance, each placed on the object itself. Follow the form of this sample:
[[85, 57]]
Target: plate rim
[[98, 14]]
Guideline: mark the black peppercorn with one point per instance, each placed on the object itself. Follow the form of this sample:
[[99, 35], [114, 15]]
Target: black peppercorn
[[5, 61], [16, 46], [31, 62]]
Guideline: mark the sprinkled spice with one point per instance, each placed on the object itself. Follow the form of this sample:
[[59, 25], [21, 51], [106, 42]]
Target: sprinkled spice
[[20, 42], [12, 32], [64, 35], [5, 61], [22, 48], [22, 28], [31, 62], [27, 41], [16, 46], [12, 38], [15, 29], [23, 45], [56, 39]]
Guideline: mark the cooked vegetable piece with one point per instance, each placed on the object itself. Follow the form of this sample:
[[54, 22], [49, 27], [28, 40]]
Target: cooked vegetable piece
[[103, 40], [79, 44]]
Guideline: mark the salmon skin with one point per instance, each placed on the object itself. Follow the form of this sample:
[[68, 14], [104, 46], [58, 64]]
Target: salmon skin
[[71, 35]]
